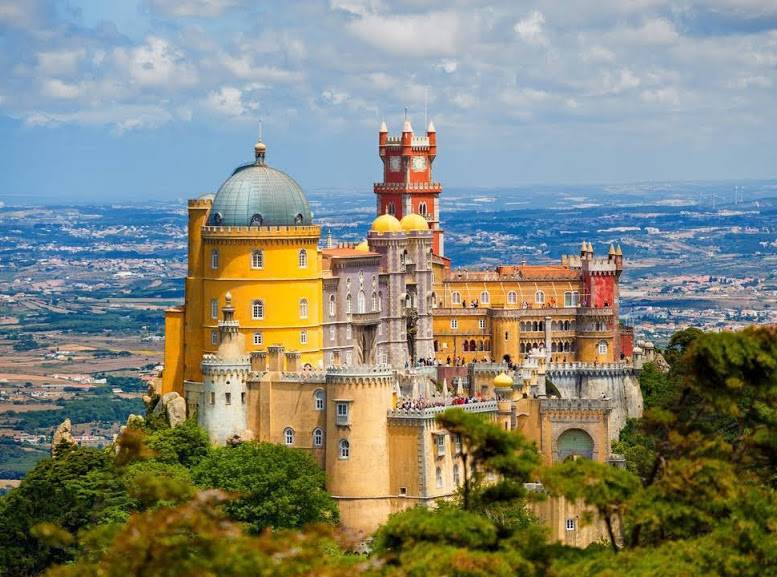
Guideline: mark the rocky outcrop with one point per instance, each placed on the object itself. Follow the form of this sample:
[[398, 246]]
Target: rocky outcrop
[[661, 363], [173, 406], [63, 436]]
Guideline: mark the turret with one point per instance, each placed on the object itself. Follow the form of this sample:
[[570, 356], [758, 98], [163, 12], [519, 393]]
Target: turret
[[431, 133], [383, 134], [407, 137]]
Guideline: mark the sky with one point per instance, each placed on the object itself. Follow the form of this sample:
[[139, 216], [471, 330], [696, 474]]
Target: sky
[[160, 99]]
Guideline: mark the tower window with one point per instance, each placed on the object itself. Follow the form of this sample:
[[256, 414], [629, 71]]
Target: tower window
[[228, 398], [257, 259], [571, 524], [214, 308], [214, 337], [454, 323], [438, 477], [258, 338], [440, 445], [303, 308], [507, 335], [602, 347], [318, 438], [512, 298], [456, 298], [348, 304], [212, 398], [303, 337], [288, 436], [390, 208], [318, 399], [243, 398], [331, 332], [374, 301], [341, 415], [303, 258], [422, 209], [214, 259], [345, 449], [539, 297], [257, 310], [332, 305]]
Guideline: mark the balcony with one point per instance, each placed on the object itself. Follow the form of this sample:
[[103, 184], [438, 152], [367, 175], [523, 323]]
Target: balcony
[[366, 318]]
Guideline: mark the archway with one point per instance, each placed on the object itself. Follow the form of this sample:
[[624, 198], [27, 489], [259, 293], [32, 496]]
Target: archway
[[574, 443]]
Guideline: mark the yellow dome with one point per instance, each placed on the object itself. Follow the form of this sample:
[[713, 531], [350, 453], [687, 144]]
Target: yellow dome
[[503, 380], [362, 246], [386, 223], [413, 221]]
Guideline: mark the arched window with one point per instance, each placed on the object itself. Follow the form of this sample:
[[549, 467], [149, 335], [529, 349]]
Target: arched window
[[299, 219], [374, 301], [602, 347], [345, 449], [523, 347], [422, 209], [380, 301], [539, 297], [257, 258], [466, 346], [257, 338], [332, 306], [361, 302], [390, 208], [303, 308], [318, 438], [303, 337], [480, 346], [574, 442], [512, 298], [318, 399], [456, 475], [553, 348], [535, 326], [257, 310], [348, 304], [485, 298], [303, 258], [438, 477], [214, 259], [256, 220], [214, 308], [456, 297], [472, 345], [288, 436]]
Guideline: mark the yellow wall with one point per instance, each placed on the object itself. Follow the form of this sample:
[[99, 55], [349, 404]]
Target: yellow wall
[[172, 376]]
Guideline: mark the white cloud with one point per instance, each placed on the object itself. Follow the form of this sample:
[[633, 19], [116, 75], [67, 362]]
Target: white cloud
[[595, 54], [199, 8], [244, 68], [529, 29], [156, 63], [448, 66], [464, 100], [655, 31], [59, 63], [411, 35], [334, 97], [615, 83], [667, 95], [56, 88], [228, 101]]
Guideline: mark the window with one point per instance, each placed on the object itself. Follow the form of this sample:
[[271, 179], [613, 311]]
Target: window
[[288, 436], [212, 398], [214, 259], [243, 398], [440, 439], [348, 332], [602, 347], [422, 209], [507, 335], [348, 358], [318, 399], [303, 258], [257, 259], [303, 337], [374, 301], [318, 438], [539, 297], [214, 337], [332, 306], [257, 338], [331, 332], [571, 298], [438, 477], [456, 475], [256, 220], [482, 323], [228, 398], [571, 524], [485, 298], [303, 308], [348, 304], [456, 297], [457, 443], [380, 301], [345, 449], [403, 491], [454, 323], [214, 308], [361, 302], [342, 413], [390, 208], [512, 298]]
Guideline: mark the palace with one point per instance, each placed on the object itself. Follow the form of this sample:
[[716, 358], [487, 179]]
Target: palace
[[350, 351]]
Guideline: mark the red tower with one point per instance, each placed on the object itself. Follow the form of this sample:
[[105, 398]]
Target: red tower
[[407, 177]]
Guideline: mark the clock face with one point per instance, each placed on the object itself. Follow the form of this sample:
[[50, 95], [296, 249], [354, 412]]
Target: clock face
[[419, 163], [394, 163]]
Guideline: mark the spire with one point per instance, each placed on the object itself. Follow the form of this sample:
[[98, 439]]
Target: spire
[[383, 127], [618, 251], [611, 252], [407, 127], [583, 248], [329, 242], [431, 128]]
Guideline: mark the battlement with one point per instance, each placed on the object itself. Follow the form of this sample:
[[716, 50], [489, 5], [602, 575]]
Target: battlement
[[566, 405], [407, 186], [200, 202], [617, 368], [432, 412], [266, 233]]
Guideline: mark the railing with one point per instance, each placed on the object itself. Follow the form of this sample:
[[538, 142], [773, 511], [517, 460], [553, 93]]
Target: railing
[[397, 186], [432, 412]]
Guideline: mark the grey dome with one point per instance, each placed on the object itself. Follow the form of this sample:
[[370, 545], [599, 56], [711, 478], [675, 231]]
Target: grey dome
[[257, 194]]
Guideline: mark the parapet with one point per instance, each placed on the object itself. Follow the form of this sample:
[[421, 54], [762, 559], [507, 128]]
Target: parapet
[[432, 412], [577, 405]]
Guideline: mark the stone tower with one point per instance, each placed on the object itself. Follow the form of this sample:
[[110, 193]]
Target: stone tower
[[407, 185]]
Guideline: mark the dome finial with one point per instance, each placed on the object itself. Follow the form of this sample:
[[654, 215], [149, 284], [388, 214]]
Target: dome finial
[[260, 148]]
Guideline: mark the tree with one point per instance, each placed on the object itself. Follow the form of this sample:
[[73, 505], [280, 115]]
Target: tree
[[276, 486], [187, 444]]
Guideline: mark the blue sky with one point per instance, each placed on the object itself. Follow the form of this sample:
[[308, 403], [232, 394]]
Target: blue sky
[[160, 99]]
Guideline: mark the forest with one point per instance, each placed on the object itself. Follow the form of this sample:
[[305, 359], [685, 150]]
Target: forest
[[697, 496]]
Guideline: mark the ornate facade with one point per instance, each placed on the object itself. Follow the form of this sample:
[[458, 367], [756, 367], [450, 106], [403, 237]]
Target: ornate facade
[[349, 352]]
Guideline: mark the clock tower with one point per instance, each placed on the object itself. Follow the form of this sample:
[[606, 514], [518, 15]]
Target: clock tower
[[407, 185]]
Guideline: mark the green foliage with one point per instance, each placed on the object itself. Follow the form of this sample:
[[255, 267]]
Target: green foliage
[[276, 486], [82, 409], [186, 444]]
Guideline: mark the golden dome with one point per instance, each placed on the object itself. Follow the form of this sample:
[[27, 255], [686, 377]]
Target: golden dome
[[386, 223], [413, 221], [503, 380], [362, 246]]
